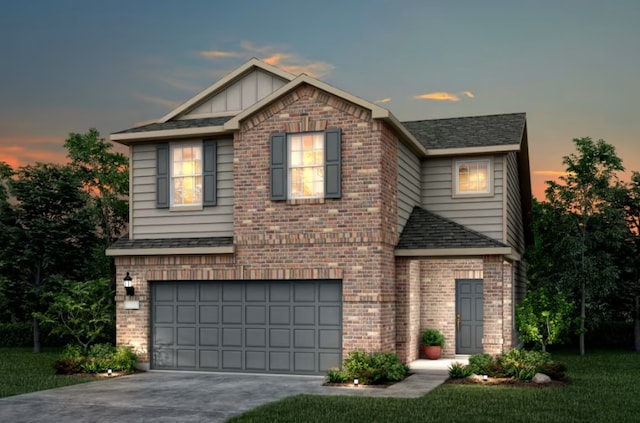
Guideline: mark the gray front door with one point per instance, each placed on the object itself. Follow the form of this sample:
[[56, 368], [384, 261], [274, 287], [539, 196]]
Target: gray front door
[[469, 316], [257, 326]]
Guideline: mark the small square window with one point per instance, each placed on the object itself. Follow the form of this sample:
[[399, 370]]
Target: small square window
[[472, 177]]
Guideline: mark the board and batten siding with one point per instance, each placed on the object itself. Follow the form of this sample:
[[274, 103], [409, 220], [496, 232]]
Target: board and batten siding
[[238, 96], [408, 184], [482, 214], [515, 229], [149, 222]]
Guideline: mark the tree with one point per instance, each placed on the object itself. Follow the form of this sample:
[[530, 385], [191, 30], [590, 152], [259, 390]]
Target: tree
[[544, 317], [82, 310], [105, 178], [56, 228], [590, 225], [632, 260]]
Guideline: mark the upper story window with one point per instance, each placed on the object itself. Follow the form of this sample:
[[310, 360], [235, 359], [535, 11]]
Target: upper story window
[[472, 177], [186, 175], [306, 165]]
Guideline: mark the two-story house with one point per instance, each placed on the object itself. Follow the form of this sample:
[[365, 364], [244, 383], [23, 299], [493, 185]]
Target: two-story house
[[278, 223]]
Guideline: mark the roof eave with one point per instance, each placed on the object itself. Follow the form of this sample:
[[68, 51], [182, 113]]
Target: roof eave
[[472, 150], [133, 137], [457, 252], [119, 252]]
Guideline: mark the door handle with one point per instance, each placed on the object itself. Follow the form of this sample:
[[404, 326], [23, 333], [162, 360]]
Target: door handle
[[458, 321]]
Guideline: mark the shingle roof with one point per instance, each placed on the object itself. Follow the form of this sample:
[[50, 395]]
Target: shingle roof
[[427, 230], [179, 124], [474, 131], [126, 244]]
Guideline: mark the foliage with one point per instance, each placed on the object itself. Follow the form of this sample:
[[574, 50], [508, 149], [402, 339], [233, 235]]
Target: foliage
[[478, 363], [523, 364], [580, 232], [544, 317], [105, 178], [82, 310], [373, 368], [15, 334], [602, 389], [99, 359], [336, 376], [433, 337], [459, 371]]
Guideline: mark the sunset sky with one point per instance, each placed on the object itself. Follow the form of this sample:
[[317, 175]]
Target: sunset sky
[[572, 66]]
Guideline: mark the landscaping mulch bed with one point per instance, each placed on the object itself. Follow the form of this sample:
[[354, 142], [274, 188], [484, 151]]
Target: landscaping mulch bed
[[383, 385]]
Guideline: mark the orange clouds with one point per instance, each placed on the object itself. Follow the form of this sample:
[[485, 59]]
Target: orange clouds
[[444, 96], [274, 56], [21, 151], [383, 100]]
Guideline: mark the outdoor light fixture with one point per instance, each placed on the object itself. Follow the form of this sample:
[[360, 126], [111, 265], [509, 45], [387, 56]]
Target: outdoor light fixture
[[109, 372], [485, 377], [355, 382], [128, 286]]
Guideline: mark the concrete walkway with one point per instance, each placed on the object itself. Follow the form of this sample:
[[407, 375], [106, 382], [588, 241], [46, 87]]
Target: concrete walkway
[[192, 397]]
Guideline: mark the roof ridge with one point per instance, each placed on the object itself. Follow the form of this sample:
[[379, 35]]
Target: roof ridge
[[465, 117]]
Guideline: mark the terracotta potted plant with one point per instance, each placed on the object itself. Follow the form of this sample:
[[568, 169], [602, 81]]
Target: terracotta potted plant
[[432, 341]]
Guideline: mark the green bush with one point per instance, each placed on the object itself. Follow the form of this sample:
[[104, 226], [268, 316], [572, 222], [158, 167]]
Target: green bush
[[433, 337], [16, 335], [336, 376], [478, 363], [523, 364], [101, 357], [373, 368], [459, 371], [554, 369]]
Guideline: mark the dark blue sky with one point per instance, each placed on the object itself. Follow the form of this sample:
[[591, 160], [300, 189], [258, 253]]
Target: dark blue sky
[[572, 66]]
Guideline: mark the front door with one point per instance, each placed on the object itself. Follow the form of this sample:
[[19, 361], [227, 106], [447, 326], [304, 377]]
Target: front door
[[469, 316]]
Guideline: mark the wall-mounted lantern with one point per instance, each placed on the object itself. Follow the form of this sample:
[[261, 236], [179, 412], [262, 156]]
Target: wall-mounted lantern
[[128, 285]]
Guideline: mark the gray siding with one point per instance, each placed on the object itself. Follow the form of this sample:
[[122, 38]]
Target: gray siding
[[482, 214], [238, 96], [149, 222], [408, 184], [515, 230]]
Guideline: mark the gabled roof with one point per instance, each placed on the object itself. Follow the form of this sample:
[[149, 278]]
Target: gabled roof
[[492, 132], [428, 231]]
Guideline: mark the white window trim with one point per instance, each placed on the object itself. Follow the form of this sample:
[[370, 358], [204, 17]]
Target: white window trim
[[455, 179], [289, 167], [183, 207]]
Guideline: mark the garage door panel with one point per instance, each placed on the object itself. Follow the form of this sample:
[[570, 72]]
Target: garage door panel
[[329, 315], [256, 326], [209, 314], [279, 315], [209, 337], [186, 314], [231, 314], [256, 315], [280, 338], [304, 315], [304, 338], [256, 337]]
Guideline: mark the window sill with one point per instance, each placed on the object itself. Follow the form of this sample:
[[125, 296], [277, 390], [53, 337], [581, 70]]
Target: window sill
[[297, 201], [185, 208], [473, 195]]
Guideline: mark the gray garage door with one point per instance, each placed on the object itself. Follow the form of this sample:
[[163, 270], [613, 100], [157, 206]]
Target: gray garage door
[[257, 326]]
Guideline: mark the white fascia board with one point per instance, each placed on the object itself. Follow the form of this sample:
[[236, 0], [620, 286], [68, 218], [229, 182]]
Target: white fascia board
[[442, 252], [131, 137], [115, 252], [241, 70], [473, 150]]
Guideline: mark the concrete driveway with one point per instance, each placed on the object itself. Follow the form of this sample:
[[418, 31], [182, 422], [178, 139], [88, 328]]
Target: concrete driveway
[[185, 397]]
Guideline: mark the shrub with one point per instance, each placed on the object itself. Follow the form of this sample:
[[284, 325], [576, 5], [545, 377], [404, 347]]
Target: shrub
[[554, 369], [459, 371], [478, 363], [373, 368], [433, 337], [101, 357], [523, 364], [15, 335], [336, 376], [544, 317]]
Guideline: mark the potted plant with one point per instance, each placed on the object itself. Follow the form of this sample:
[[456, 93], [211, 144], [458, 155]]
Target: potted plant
[[433, 341]]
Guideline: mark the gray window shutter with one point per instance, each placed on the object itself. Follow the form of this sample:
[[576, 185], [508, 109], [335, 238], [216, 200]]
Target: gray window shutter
[[209, 150], [332, 164], [278, 166], [162, 176]]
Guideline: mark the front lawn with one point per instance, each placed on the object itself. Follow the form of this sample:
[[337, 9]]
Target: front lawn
[[22, 371], [604, 387]]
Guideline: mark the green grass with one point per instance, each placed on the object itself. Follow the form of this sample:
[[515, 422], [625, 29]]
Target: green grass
[[22, 371], [604, 387]]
